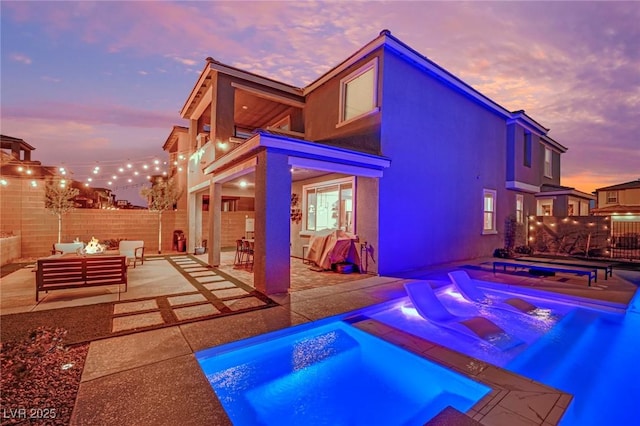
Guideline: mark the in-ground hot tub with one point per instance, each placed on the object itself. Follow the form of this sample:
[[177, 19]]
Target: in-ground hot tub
[[331, 373]]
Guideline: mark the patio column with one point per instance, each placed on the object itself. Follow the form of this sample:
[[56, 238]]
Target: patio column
[[272, 223], [195, 220], [215, 224]]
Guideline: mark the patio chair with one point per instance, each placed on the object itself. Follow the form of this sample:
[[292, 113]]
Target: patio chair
[[472, 293], [67, 248], [430, 308], [133, 250]]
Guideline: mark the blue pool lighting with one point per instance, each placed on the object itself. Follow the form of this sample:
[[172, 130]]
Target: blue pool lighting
[[331, 373], [589, 350]]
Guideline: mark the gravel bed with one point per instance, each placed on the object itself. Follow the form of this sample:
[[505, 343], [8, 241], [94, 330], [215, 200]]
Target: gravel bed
[[40, 378]]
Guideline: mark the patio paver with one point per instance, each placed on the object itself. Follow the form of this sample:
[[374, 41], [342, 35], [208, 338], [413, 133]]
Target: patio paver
[[131, 322]]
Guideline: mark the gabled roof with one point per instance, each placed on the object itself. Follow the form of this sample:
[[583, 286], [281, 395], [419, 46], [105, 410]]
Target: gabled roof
[[383, 40], [550, 189], [627, 185], [173, 137]]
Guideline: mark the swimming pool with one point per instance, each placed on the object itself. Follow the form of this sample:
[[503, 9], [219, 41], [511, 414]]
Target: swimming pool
[[588, 352], [331, 373]]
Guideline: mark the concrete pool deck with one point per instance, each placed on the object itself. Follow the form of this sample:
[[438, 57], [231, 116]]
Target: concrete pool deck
[[152, 377]]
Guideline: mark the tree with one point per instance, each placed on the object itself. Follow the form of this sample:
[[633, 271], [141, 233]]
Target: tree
[[59, 197], [162, 196]]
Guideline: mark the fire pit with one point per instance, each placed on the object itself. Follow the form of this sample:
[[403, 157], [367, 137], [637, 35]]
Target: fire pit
[[93, 247]]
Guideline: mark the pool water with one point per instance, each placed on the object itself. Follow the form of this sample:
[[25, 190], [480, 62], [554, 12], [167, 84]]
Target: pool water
[[590, 353], [331, 373], [596, 358]]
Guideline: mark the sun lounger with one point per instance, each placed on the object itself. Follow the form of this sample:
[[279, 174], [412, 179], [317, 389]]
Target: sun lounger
[[472, 293], [430, 308]]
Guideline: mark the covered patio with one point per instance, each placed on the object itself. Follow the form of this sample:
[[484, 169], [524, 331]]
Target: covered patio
[[267, 159]]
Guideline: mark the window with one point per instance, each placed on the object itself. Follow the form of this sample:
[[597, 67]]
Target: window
[[527, 149], [489, 212], [545, 207], [584, 208], [329, 205], [612, 197], [519, 208], [548, 162], [358, 92]]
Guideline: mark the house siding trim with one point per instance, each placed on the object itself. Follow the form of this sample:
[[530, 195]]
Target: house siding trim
[[301, 148], [521, 186]]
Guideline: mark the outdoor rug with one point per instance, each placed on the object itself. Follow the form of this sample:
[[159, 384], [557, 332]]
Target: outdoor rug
[[214, 294]]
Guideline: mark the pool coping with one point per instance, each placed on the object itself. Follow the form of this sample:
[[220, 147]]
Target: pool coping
[[513, 399]]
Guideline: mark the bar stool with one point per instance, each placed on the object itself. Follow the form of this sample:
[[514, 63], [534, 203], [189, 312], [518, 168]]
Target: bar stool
[[248, 253], [240, 254]]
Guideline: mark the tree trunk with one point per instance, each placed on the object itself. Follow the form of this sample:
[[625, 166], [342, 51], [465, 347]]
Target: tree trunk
[[160, 232], [59, 227]]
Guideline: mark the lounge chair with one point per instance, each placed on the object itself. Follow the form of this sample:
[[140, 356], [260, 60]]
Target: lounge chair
[[430, 308], [472, 293]]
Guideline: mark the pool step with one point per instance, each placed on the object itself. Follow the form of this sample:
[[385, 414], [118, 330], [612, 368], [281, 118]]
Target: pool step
[[552, 351]]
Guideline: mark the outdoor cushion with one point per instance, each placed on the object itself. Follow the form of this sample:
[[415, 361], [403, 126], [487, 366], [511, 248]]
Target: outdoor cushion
[[64, 248], [134, 250]]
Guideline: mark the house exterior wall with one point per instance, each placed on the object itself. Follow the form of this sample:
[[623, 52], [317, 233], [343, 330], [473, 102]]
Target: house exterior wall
[[367, 219], [555, 166], [297, 239], [444, 149], [516, 168], [322, 116], [626, 197]]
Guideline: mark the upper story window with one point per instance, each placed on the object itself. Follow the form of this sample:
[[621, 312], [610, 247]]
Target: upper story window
[[527, 146], [548, 162], [329, 205], [489, 212], [519, 208], [612, 197], [359, 92]]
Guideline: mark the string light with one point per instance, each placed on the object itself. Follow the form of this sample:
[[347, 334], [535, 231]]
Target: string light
[[107, 172]]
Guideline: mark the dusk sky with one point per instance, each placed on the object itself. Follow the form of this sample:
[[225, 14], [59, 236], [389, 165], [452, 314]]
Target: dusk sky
[[102, 83]]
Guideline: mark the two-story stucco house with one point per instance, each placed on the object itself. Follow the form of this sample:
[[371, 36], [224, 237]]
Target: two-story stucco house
[[386, 145], [622, 204]]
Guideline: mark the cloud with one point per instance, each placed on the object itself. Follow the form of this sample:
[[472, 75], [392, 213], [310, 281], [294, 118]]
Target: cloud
[[94, 114], [23, 59], [183, 61], [50, 79], [573, 66]]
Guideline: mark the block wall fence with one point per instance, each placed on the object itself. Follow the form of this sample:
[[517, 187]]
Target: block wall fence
[[23, 214]]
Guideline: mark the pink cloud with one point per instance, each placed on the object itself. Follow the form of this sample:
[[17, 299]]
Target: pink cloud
[[23, 59], [118, 115]]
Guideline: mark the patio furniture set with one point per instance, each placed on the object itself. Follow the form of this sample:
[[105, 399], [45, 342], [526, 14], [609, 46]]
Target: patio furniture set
[[72, 266]]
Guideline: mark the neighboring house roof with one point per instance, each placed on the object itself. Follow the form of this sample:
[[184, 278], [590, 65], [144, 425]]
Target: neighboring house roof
[[547, 189], [627, 185], [173, 137], [617, 209], [7, 142]]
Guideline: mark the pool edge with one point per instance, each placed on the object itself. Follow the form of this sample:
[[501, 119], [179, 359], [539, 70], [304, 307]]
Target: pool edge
[[511, 396]]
